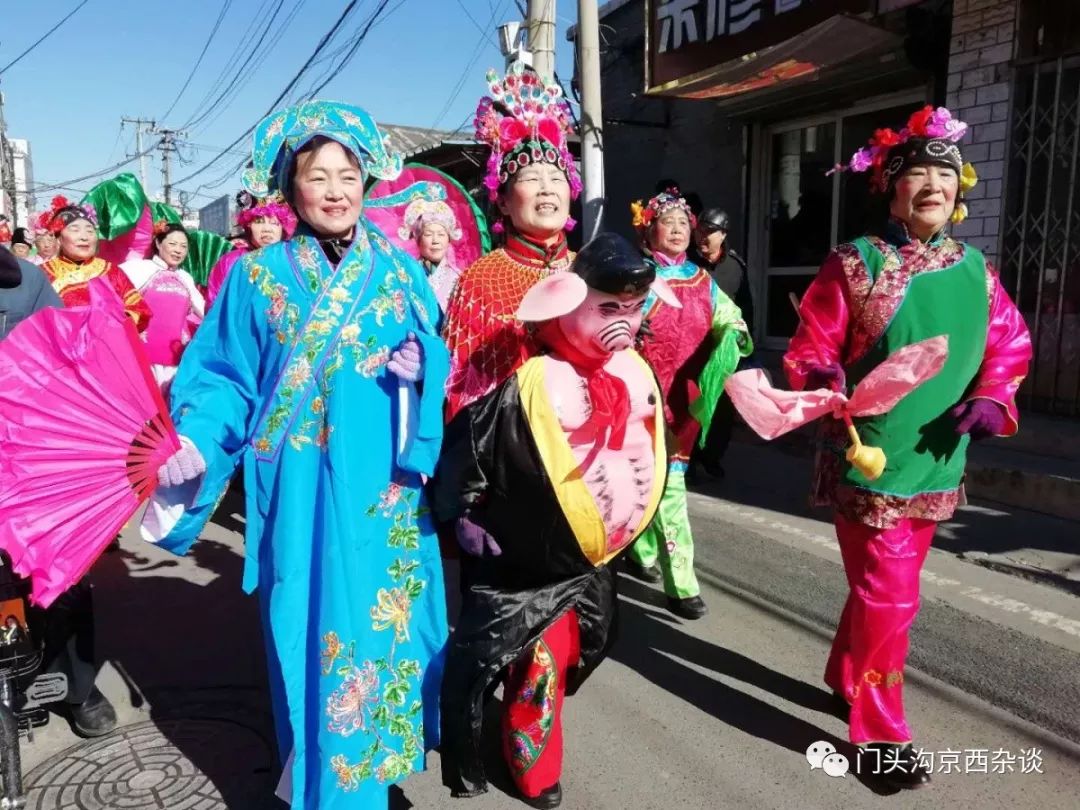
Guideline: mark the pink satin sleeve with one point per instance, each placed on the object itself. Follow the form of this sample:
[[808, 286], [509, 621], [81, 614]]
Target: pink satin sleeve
[[1007, 357], [824, 313], [219, 273]]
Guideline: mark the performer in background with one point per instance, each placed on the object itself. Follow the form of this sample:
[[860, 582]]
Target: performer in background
[[20, 243], [47, 246], [433, 226], [264, 222], [76, 265], [905, 283], [320, 366], [549, 477], [728, 270], [692, 349], [532, 179], [176, 305]]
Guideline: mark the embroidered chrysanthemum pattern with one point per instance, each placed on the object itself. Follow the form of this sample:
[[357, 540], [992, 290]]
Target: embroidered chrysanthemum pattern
[[379, 700]]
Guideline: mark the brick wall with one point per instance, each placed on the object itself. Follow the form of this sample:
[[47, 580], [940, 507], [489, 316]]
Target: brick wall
[[983, 34]]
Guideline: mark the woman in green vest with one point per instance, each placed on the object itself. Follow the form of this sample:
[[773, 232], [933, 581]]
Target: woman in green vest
[[907, 282]]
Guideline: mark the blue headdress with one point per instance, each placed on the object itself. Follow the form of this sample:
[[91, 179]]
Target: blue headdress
[[279, 136]]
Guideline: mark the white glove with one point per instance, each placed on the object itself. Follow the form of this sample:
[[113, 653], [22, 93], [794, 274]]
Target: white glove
[[185, 464]]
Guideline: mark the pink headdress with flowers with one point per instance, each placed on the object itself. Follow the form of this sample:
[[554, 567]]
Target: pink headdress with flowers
[[271, 207], [524, 120], [930, 137]]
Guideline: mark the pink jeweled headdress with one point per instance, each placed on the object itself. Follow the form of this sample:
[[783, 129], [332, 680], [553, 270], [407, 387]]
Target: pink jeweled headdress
[[272, 207], [524, 120]]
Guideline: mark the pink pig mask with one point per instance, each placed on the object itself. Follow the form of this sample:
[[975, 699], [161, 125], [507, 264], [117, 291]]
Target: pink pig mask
[[596, 322]]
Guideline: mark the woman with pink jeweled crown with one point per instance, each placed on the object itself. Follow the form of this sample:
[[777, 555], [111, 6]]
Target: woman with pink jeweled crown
[[531, 178], [908, 282]]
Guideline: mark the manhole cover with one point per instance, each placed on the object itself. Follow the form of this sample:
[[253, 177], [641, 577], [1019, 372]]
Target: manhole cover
[[193, 764]]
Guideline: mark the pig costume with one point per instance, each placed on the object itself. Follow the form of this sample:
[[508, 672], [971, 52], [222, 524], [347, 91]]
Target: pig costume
[[577, 435]]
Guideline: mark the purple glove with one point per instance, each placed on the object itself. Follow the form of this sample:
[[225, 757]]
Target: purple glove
[[831, 377], [979, 417], [407, 360], [185, 464], [475, 541]]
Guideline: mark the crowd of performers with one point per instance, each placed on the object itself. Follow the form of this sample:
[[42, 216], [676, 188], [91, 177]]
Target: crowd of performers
[[538, 407]]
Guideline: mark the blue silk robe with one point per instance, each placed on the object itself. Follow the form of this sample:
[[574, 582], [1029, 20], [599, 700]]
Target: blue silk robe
[[288, 374]]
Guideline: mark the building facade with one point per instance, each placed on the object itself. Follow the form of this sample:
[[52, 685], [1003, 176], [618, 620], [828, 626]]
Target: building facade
[[23, 167], [748, 103]]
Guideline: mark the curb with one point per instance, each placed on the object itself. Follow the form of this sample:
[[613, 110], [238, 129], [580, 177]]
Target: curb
[[1050, 494]]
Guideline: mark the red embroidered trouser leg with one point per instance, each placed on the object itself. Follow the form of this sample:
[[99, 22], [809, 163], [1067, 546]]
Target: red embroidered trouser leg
[[532, 707], [866, 664]]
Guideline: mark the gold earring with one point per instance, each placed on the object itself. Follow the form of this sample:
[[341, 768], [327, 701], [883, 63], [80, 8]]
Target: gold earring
[[959, 213]]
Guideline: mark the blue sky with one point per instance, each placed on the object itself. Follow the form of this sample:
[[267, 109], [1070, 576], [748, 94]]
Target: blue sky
[[130, 58]]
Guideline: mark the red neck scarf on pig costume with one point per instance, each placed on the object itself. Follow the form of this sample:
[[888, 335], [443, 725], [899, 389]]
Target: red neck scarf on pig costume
[[608, 394]]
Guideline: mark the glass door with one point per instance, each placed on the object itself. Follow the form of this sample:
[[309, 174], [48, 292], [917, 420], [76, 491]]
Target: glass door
[[800, 216], [805, 211]]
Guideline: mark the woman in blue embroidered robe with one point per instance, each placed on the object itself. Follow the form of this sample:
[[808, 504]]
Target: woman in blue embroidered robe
[[289, 375]]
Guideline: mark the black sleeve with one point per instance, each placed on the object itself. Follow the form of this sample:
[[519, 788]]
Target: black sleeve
[[465, 463], [743, 298]]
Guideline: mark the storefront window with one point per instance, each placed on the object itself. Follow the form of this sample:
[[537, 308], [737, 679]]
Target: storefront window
[[809, 211], [860, 211], [801, 204]]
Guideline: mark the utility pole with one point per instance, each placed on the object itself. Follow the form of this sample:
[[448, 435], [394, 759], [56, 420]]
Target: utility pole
[[541, 25], [167, 147], [592, 118], [139, 123]]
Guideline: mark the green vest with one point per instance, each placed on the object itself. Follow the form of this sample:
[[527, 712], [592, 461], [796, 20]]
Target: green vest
[[922, 449]]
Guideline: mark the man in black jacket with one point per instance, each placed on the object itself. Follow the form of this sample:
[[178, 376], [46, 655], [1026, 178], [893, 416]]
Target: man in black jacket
[[23, 291], [729, 272]]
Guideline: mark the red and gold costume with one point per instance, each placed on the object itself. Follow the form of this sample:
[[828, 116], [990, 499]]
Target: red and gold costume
[[71, 280], [487, 342]]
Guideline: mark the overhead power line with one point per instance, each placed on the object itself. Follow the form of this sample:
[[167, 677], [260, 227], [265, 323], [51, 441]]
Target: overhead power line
[[486, 32], [329, 35], [43, 37], [344, 53], [273, 105], [460, 85], [202, 147], [239, 69], [202, 55], [95, 175], [243, 77], [375, 18]]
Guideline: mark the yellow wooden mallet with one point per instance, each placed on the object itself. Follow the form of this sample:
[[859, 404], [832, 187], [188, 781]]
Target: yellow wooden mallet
[[870, 461]]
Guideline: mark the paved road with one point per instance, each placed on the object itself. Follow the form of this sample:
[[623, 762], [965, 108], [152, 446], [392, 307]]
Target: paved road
[[716, 713]]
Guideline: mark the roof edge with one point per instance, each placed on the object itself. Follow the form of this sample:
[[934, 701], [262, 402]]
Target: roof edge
[[604, 10]]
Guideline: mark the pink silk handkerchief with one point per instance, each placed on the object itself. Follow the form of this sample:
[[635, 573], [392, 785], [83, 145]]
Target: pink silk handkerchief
[[771, 412]]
